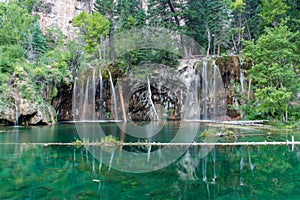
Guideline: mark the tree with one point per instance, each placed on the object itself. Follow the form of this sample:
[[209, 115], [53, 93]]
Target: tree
[[209, 23], [14, 23], [171, 15], [93, 26], [36, 43], [276, 57], [272, 12]]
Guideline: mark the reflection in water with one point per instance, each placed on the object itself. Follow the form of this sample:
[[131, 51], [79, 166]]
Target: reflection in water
[[56, 172], [230, 172]]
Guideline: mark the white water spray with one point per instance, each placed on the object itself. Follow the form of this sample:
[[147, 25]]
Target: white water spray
[[113, 96]]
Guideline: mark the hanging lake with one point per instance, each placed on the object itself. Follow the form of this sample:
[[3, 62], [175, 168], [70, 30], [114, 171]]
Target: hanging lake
[[31, 169]]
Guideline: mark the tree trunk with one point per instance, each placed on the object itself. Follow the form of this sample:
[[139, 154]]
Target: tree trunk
[[185, 51], [122, 102]]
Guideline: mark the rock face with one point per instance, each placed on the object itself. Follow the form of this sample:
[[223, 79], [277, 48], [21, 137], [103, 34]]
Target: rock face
[[62, 103], [59, 14], [232, 70], [27, 113]]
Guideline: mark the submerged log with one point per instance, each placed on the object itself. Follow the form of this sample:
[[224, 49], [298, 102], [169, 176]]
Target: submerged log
[[293, 143]]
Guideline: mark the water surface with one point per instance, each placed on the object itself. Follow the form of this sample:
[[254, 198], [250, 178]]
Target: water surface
[[70, 172]]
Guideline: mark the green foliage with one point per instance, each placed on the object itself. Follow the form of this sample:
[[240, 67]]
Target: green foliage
[[109, 140], [9, 56], [93, 26], [209, 22], [272, 12], [276, 57], [14, 24]]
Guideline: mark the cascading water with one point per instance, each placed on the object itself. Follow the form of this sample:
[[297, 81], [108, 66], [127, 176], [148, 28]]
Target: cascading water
[[94, 96], [212, 97], [16, 116], [101, 100], [75, 109], [213, 92], [249, 88], [86, 99], [201, 76], [113, 96], [150, 99], [204, 91], [242, 80]]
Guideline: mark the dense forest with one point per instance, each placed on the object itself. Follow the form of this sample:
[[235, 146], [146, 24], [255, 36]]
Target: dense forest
[[264, 33]]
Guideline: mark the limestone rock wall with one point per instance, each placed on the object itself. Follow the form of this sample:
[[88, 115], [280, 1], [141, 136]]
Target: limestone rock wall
[[59, 14]]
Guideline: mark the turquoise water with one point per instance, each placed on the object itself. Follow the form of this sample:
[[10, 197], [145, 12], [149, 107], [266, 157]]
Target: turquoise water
[[68, 172]]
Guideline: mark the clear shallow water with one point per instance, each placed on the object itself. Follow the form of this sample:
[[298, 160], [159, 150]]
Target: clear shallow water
[[68, 172]]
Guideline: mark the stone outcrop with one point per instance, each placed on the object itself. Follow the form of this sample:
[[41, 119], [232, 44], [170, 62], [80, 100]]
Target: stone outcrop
[[59, 14], [62, 103], [230, 68], [27, 113]]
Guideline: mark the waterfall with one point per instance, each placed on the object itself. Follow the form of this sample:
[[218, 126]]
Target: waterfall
[[204, 90], [93, 96], [214, 95], [249, 89], [101, 94], [101, 84], [75, 110], [242, 81], [242, 88], [197, 92], [150, 99], [113, 95], [86, 98], [17, 116], [81, 101]]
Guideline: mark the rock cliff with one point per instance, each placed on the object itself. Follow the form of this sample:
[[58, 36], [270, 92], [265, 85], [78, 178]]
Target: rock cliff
[[59, 14]]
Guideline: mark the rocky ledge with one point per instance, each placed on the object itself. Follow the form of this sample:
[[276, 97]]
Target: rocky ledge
[[27, 113]]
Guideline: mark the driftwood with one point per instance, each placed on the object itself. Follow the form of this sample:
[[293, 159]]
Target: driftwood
[[79, 143]]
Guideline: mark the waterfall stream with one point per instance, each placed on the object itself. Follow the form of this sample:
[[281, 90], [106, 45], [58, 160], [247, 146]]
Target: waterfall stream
[[16, 116], [150, 99], [94, 96], [204, 91], [113, 96], [202, 98], [86, 99]]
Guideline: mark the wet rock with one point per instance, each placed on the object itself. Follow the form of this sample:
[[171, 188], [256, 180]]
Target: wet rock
[[62, 103]]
